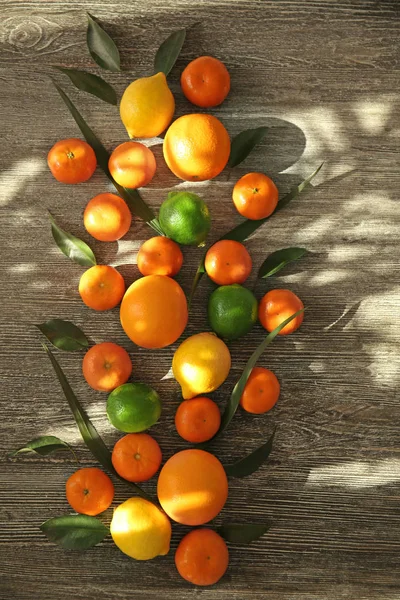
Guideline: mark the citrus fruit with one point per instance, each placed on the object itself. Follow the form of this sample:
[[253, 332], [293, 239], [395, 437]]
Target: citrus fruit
[[89, 491], [147, 106], [101, 287], [201, 364], [255, 196], [196, 147], [133, 407], [261, 392], [159, 256], [154, 311], [107, 217], [206, 81], [185, 218], [192, 487], [106, 366], [140, 529], [202, 557], [232, 311], [136, 457], [132, 165], [72, 161], [277, 306], [197, 420], [228, 261]]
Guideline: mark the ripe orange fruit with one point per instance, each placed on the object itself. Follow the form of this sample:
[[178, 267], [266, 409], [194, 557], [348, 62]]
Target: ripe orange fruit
[[154, 311], [261, 392], [192, 487], [89, 491], [136, 457], [107, 217], [159, 256], [101, 287], [196, 147], [202, 557], [206, 81], [106, 366], [132, 165], [255, 196], [72, 161], [197, 420], [277, 306], [227, 262]]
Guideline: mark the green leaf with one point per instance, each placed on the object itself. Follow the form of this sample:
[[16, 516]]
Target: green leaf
[[169, 51], [252, 462], [88, 431], [132, 197], [241, 232], [75, 532], [92, 84], [64, 335], [101, 47], [243, 144], [279, 259], [77, 250], [43, 446], [242, 533], [237, 392]]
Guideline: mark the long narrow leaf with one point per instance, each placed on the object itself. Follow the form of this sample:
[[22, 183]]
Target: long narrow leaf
[[241, 232], [169, 51], [276, 261], [252, 462], [74, 248], [242, 533], [101, 46], [88, 431], [237, 392], [132, 197], [92, 84]]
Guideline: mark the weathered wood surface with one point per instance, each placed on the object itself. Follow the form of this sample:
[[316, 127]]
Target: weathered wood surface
[[324, 75]]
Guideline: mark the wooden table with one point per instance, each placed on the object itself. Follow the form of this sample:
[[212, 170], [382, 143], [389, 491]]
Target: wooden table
[[324, 77]]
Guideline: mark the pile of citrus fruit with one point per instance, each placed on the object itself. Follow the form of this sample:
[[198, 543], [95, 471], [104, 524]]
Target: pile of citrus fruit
[[192, 485]]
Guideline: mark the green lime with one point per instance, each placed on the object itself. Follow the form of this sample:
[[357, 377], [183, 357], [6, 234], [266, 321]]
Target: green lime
[[232, 311], [133, 407], [185, 218]]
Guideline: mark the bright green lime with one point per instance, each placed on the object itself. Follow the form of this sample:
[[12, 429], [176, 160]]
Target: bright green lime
[[185, 218], [232, 311], [133, 407]]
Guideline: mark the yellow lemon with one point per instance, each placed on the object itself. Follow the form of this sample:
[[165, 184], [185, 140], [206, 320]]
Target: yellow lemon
[[201, 364], [140, 529], [147, 106]]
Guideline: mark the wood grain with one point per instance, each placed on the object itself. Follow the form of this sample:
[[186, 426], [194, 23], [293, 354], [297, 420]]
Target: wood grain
[[323, 75]]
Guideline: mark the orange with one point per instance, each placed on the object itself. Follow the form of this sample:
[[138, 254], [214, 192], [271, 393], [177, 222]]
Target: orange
[[101, 287], [136, 457], [107, 217], [255, 196], [89, 491], [228, 262], [154, 311], [192, 487], [196, 147], [202, 557], [72, 161], [132, 165], [197, 420], [159, 256], [261, 392], [106, 366], [206, 81], [277, 306]]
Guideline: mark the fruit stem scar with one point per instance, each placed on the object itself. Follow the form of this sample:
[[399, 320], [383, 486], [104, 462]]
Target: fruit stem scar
[[255, 191], [85, 492], [137, 456], [70, 154], [107, 365]]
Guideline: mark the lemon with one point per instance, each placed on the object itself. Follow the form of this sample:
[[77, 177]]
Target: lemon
[[140, 529], [201, 364], [147, 106]]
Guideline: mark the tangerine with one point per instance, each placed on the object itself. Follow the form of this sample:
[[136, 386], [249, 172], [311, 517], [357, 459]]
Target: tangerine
[[72, 161], [255, 196], [277, 306], [206, 81], [227, 262], [132, 165], [136, 457], [197, 420], [159, 256], [202, 557], [89, 491], [101, 287], [261, 391], [107, 217], [106, 366]]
